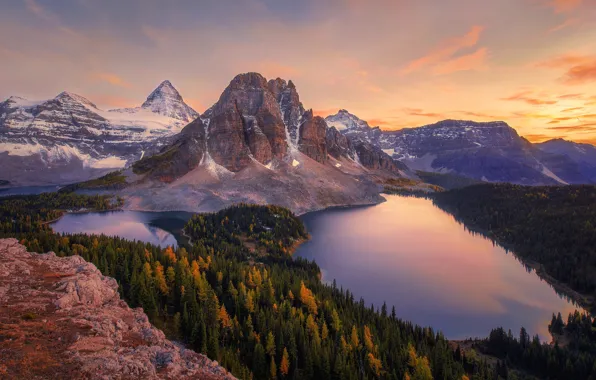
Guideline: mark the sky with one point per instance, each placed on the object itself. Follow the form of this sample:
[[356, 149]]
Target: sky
[[394, 63]]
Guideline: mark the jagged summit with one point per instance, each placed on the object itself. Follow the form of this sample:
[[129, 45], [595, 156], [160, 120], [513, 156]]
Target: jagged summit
[[167, 101], [69, 97], [343, 120]]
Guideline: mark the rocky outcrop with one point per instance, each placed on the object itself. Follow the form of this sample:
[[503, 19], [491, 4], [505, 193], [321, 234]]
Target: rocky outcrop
[[338, 145], [372, 157], [176, 160], [313, 133], [247, 112], [289, 102], [61, 319]]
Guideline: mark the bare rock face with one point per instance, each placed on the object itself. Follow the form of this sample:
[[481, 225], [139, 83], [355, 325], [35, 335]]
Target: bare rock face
[[174, 161], [60, 318], [372, 157], [246, 112], [313, 133], [290, 105], [339, 145]]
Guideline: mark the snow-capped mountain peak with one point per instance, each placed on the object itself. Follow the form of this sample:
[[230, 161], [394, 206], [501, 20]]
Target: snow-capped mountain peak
[[345, 120], [69, 98], [167, 101]]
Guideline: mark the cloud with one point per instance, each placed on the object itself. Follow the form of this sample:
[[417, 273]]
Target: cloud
[[571, 96], [112, 79], [565, 24], [46, 15], [565, 61], [420, 112], [446, 50], [481, 115], [473, 61], [376, 122], [524, 96], [537, 137], [573, 109], [581, 74], [587, 127], [580, 69], [563, 6]]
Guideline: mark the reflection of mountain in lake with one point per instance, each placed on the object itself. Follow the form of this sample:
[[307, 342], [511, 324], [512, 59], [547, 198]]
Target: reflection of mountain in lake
[[414, 256], [161, 229]]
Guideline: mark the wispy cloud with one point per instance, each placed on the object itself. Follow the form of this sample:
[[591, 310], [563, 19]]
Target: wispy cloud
[[48, 16], [565, 24], [445, 51], [538, 137], [111, 78], [473, 61], [579, 69], [562, 6], [526, 96], [421, 112], [571, 96], [581, 74]]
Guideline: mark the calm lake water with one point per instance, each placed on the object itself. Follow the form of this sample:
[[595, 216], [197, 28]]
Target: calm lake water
[[406, 252], [411, 254], [159, 228]]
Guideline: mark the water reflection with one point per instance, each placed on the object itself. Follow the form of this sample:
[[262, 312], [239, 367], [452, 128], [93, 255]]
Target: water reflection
[[411, 254], [157, 228]]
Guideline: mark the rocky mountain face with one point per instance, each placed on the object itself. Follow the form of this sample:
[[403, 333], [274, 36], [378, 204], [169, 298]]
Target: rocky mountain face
[[582, 155], [313, 137], [259, 121], [258, 144], [490, 151], [68, 138], [351, 125], [61, 319]]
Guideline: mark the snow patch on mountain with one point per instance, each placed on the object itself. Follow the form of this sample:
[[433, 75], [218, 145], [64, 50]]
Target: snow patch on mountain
[[59, 153]]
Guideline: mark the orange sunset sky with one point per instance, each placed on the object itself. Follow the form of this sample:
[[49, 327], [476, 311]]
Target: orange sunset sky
[[399, 63]]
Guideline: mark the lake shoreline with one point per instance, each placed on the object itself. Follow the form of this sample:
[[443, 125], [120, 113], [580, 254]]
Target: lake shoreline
[[584, 301]]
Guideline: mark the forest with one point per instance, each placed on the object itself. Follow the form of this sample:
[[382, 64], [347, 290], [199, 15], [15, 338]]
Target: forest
[[554, 226], [237, 295]]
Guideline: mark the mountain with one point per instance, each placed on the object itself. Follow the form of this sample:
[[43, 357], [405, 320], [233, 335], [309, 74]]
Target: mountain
[[79, 327], [258, 144], [165, 100], [583, 155], [491, 151], [351, 125], [68, 138]]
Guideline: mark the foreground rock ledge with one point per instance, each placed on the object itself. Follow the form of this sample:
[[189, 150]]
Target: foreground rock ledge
[[60, 318]]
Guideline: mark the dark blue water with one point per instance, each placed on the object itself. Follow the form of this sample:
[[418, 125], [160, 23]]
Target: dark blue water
[[417, 258]]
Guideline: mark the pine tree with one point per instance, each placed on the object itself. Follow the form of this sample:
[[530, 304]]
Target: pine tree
[[284, 366]]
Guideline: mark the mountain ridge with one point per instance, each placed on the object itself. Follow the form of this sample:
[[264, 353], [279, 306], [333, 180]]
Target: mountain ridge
[[487, 151], [68, 138]]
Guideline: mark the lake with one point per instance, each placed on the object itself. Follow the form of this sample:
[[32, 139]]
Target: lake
[[159, 228], [405, 251], [412, 255]]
